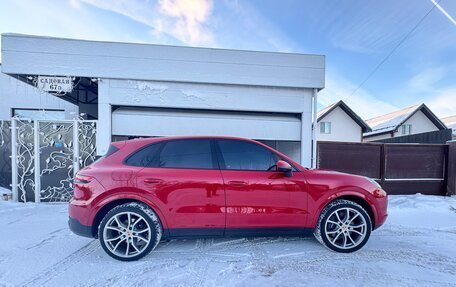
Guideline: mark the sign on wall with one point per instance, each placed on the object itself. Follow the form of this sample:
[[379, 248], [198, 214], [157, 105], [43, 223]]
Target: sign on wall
[[55, 84]]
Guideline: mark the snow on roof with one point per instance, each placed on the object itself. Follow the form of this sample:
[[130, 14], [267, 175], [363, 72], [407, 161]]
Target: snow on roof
[[322, 112], [391, 121], [450, 122]]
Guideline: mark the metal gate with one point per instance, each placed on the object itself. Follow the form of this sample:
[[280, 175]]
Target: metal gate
[[5, 154], [45, 155]]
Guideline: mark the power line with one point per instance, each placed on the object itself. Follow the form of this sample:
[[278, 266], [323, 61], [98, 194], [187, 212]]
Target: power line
[[393, 50]]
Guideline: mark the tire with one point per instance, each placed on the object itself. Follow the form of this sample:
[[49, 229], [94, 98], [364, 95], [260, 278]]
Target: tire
[[130, 231], [340, 233]]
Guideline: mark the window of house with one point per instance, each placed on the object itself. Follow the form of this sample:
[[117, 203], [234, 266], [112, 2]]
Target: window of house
[[325, 127], [407, 129]]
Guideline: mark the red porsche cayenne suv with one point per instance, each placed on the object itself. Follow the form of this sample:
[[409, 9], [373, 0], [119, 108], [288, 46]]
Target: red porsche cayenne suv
[[145, 190]]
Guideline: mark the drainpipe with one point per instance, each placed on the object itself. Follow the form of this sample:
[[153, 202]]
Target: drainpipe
[[314, 129]]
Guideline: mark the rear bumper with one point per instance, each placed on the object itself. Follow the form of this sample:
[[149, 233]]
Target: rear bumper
[[79, 228]]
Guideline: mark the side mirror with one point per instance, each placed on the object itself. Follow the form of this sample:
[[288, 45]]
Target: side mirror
[[284, 167]]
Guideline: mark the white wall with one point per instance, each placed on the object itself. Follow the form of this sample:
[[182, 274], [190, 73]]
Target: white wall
[[208, 96], [420, 124], [343, 128], [378, 137], [24, 54], [17, 94]]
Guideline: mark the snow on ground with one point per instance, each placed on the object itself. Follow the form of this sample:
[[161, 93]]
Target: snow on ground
[[4, 191], [416, 247]]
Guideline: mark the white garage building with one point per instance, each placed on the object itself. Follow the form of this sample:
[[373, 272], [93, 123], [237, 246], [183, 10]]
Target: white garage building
[[153, 90]]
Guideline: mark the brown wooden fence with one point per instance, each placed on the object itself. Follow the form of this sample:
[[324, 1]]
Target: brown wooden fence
[[399, 168]]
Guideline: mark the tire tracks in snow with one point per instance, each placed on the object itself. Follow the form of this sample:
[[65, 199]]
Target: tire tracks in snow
[[50, 237], [402, 231], [426, 261], [192, 265], [63, 265]]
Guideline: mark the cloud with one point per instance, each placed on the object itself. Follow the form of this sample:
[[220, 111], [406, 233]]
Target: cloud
[[75, 3], [444, 103], [39, 19], [363, 103], [429, 85], [371, 27], [186, 21], [251, 30], [424, 80]]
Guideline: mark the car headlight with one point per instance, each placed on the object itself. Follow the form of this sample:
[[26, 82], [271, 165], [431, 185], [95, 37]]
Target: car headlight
[[374, 182], [378, 192]]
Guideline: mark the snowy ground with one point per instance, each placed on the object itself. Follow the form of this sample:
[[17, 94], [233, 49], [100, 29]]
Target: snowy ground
[[416, 247]]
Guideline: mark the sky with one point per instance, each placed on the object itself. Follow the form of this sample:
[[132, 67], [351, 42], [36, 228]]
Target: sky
[[414, 58]]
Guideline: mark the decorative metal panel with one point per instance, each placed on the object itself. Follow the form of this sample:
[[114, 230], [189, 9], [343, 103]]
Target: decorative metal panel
[[25, 161], [87, 136], [56, 161], [49, 178], [5, 154]]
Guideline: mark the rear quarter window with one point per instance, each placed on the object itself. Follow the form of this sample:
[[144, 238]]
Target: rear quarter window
[[112, 149], [146, 156]]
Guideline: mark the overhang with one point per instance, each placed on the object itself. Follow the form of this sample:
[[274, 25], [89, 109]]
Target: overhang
[[36, 55]]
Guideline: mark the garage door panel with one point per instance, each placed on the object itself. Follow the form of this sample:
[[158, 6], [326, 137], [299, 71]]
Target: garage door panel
[[139, 122]]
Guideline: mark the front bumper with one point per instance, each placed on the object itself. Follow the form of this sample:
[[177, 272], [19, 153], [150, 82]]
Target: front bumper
[[79, 228], [381, 205]]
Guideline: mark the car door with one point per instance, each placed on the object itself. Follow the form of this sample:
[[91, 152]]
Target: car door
[[184, 178], [258, 198]]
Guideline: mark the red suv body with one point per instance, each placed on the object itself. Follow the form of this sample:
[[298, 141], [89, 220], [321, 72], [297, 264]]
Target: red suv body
[[217, 186]]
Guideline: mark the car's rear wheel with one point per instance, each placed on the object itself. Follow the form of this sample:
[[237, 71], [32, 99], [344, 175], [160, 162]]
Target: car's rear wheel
[[130, 231], [343, 226]]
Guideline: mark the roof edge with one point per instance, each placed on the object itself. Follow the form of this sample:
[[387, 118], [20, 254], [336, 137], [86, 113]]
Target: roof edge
[[364, 126]]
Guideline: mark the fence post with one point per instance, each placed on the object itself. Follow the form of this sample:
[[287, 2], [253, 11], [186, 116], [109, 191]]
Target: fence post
[[451, 171], [75, 147], [382, 164], [36, 159], [14, 159]]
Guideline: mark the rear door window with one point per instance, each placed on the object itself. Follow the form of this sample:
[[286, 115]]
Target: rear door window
[[189, 153], [243, 155]]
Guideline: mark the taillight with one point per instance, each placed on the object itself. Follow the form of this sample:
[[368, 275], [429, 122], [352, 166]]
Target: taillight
[[82, 179], [81, 187]]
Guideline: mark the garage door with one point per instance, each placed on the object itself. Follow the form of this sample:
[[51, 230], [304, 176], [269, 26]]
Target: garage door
[[170, 122]]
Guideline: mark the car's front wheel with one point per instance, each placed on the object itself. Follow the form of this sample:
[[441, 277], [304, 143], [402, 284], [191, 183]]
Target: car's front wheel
[[343, 226], [130, 231]]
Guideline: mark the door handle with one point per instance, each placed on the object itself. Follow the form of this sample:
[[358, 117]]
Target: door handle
[[152, 180], [237, 183]]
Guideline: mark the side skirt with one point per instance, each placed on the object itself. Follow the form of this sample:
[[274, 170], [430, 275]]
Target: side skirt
[[236, 232]]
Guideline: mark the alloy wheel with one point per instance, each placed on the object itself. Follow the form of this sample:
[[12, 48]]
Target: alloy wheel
[[127, 234], [346, 228]]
